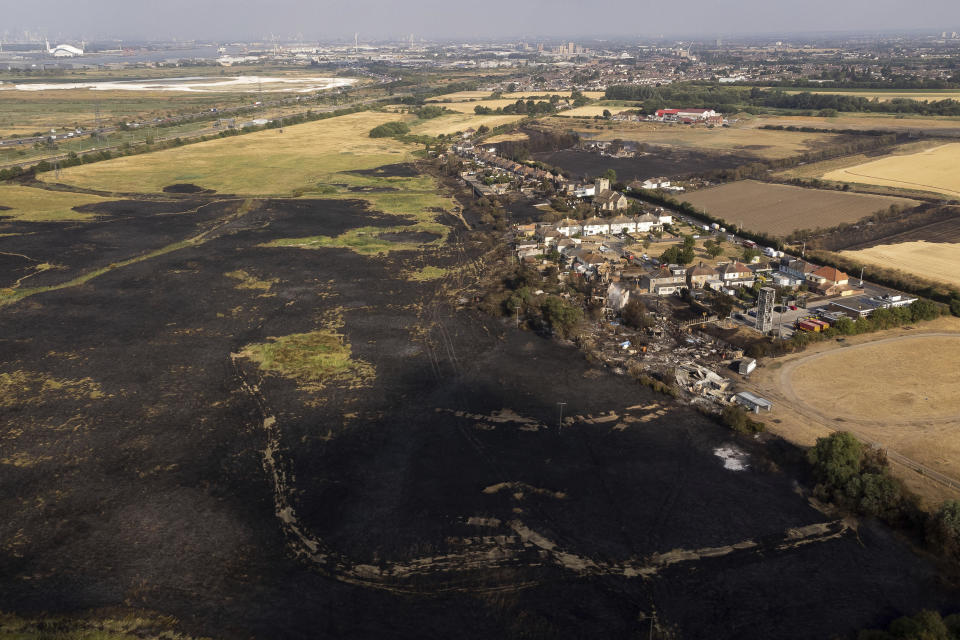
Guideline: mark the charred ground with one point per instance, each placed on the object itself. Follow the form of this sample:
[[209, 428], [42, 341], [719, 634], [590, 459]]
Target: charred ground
[[138, 443]]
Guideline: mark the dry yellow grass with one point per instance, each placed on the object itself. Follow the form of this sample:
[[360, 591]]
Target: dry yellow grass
[[29, 204], [263, 163], [515, 136], [589, 110], [461, 122], [937, 261], [906, 380], [593, 95], [896, 388], [886, 96], [462, 96], [468, 107], [931, 170]]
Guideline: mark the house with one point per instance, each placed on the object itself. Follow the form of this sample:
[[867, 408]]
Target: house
[[647, 222], [549, 237], [569, 227], [650, 183], [664, 218], [595, 226], [828, 274], [797, 268], [829, 281], [746, 366], [622, 224], [526, 230], [700, 275], [609, 200], [735, 273], [665, 280]]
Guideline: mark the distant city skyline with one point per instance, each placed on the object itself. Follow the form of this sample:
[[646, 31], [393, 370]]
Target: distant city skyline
[[433, 19]]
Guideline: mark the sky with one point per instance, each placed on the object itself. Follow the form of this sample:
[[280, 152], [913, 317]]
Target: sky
[[376, 19]]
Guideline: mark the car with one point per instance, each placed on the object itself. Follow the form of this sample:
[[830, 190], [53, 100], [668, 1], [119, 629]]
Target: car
[[793, 307]]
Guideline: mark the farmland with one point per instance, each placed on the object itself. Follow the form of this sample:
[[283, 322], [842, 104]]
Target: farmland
[[765, 144], [936, 261], [930, 170], [944, 126], [778, 209]]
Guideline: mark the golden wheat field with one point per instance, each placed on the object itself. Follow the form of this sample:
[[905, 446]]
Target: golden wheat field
[[931, 170], [938, 261]]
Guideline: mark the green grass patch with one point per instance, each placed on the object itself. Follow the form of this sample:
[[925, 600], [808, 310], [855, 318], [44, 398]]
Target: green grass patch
[[93, 627], [313, 359], [427, 274], [247, 281]]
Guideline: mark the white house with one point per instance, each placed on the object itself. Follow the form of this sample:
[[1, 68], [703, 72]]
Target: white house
[[595, 227], [623, 224], [569, 227]]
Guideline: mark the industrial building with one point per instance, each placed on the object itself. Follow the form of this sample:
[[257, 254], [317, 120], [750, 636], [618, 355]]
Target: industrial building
[[751, 402]]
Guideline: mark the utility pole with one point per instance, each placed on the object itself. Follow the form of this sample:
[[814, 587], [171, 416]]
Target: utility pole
[[518, 316], [561, 405]]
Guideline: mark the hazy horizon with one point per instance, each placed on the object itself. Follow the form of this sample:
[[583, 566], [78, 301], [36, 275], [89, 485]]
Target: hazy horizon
[[380, 19]]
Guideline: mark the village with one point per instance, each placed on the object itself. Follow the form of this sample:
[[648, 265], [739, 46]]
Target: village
[[707, 298]]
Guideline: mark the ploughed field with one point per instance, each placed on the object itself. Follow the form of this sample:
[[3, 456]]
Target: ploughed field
[[778, 209], [266, 438], [672, 163], [748, 142]]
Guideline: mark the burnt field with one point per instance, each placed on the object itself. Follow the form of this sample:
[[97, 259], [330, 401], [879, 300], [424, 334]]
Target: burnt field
[[672, 163], [150, 463]]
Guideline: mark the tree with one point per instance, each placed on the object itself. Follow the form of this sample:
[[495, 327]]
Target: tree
[[944, 530], [607, 114], [562, 317], [689, 242], [610, 175], [836, 459], [713, 248]]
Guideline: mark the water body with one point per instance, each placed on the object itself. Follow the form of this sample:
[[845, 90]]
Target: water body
[[199, 84]]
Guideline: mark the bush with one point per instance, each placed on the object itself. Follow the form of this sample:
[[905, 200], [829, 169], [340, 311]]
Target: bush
[[739, 420], [389, 129], [634, 314]]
